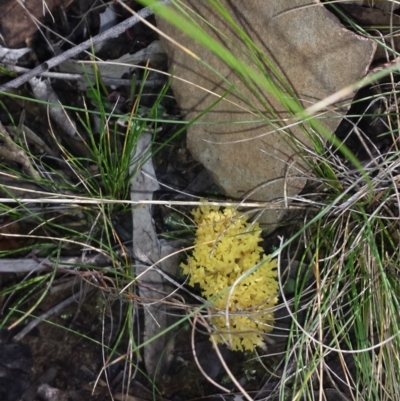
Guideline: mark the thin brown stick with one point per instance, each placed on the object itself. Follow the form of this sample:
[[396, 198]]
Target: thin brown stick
[[113, 32]]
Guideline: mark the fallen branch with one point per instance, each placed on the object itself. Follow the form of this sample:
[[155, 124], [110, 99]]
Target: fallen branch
[[25, 265], [113, 32], [83, 79]]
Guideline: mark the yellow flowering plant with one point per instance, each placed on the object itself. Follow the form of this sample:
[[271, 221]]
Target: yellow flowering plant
[[226, 247]]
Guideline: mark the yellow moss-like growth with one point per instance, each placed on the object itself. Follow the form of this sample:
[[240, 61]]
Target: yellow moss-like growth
[[227, 247]]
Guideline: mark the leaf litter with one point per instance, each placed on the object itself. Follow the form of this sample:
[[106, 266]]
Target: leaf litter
[[134, 248]]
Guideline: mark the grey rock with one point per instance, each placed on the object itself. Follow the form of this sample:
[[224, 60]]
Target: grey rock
[[314, 52]]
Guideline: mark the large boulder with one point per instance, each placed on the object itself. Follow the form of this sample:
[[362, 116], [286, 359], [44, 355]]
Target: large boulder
[[242, 148]]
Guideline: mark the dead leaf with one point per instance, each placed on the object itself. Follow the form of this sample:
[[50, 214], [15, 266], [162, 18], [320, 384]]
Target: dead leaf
[[12, 152], [8, 229], [16, 21]]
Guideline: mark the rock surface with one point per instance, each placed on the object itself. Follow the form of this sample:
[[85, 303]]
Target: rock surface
[[368, 16], [385, 5], [314, 52]]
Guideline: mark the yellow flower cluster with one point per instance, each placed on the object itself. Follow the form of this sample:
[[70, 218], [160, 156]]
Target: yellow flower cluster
[[226, 246]]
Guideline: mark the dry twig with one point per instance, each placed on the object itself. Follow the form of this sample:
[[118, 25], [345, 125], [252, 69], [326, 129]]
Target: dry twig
[[113, 32]]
